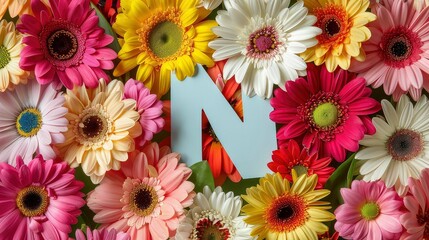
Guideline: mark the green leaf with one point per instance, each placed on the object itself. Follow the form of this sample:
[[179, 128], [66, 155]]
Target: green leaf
[[201, 176], [351, 172], [103, 23], [240, 187]]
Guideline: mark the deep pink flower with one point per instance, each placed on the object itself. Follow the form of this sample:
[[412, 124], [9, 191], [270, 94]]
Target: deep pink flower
[[416, 219], [103, 234], [370, 211], [328, 111], [147, 197], [40, 200], [65, 43], [149, 108]]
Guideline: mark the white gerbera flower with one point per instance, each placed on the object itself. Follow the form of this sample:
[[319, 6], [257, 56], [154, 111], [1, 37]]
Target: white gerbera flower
[[210, 4], [261, 41], [399, 149], [214, 215]]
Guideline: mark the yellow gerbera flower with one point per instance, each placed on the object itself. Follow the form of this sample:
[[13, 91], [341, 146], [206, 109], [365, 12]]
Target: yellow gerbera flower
[[10, 51], [101, 128], [343, 25], [280, 211], [162, 36]]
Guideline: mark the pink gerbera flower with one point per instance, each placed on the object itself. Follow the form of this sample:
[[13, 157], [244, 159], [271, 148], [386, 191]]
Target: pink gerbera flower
[[328, 111], [38, 201], [290, 156], [398, 50], [146, 197], [103, 234], [370, 211], [65, 43], [149, 108], [416, 219]]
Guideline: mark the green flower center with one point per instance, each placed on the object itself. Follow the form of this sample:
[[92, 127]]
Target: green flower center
[[29, 122], [4, 57], [325, 115], [370, 210], [300, 170], [165, 39]]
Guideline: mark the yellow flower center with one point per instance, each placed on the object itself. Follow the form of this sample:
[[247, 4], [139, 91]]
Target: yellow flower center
[[143, 200], [325, 115], [4, 57], [29, 122], [32, 201], [370, 210]]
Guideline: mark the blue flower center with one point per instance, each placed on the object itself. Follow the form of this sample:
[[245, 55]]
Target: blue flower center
[[29, 122]]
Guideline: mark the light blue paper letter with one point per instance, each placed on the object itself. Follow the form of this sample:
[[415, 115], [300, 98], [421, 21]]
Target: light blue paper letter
[[249, 144]]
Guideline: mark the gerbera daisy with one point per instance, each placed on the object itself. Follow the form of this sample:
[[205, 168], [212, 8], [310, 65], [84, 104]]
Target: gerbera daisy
[[343, 25], [328, 111], [146, 197], [38, 201], [214, 215], [219, 161], [260, 40], [101, 128], [149, 108], [10, 51], [32, 117], [279, 210], [162, 36], [14, 7], [416, 218], [209, 4], [370, 211], [102, 234], [65, 43], [398, 51], [290, 156], [399, 148]]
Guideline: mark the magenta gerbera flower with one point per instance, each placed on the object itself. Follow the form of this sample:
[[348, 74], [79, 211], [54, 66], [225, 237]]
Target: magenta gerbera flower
[[398, 50], [102, 234], [40, 200], [149, 108], [370, 211], [147, 197], [328, 112], [65, 43]]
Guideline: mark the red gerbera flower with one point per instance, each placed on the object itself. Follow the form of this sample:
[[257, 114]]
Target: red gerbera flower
[[328, 111], [292, 157]]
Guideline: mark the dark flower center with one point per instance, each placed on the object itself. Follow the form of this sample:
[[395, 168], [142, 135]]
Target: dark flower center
[[399, 48], [405, 145], [143, 200], [62, 44], [263, 43], [32, 201], [332, 27], [285, 212], [207, 229], [423, 219], [93, 126]]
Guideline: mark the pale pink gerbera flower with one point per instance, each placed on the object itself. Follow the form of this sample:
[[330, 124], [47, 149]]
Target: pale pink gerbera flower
[[398, 50], [149, 108], [146, 197], [103, 234], [65, 43], [416, 219], [38, 201], [370, 211]]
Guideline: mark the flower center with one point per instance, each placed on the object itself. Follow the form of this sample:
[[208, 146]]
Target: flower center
[[333, 21], [263, 43], [93, 126], [207, 229], [370, 211], [300, 169], [286, 213], [4, 57], [405, 145], [32, 201], [423, 219], [325, 115], [165, 39], [29, 122], [400, 47], [62, 45], [143, 200]]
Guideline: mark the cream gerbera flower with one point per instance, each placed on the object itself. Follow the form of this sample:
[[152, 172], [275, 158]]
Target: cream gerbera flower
[[400, 147], [101, 128], [343, 25], [214, 215], [280, 211], [10, 54]]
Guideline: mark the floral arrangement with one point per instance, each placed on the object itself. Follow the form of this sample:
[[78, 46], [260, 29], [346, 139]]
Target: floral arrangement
[[85, 119]]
